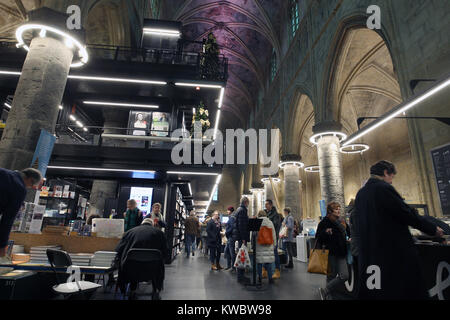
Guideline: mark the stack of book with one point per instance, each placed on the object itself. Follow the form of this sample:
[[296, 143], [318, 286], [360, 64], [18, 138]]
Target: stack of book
[[56, 230], [81, 259], [103, 258], [39, 254]]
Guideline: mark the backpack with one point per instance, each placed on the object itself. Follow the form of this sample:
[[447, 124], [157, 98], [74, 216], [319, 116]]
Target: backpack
[[265, 236]]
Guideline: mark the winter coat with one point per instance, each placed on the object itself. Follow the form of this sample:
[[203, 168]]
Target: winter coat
[[336, 243], [355, 236], [275, 218], [289, 222], [191, 226], [231, 231], [133, 218], [242, 223], [12, 195], [381, 220], [265, 253], [214, 238], [159, 216], [143, 236]]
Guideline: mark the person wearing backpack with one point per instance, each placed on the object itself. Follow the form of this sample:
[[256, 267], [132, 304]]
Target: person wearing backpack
[[265, 246]]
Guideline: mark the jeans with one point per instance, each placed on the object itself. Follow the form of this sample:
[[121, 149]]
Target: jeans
[[214, 254], [230, 253], [190, 243], [268, 267], [339, 273], [290, 251]]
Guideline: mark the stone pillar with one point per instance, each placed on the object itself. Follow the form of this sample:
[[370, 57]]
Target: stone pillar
[[36, 100], [291, 166], [101, 190], [331, 173], [268, 191]]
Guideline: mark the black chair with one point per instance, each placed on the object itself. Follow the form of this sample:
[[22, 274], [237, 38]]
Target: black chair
[[143, 265], [60, 259]]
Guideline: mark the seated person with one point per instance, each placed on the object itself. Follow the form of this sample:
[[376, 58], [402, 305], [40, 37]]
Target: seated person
[[145, 236]]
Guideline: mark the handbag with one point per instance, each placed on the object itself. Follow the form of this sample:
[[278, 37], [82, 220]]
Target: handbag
[[242, 258], [318, 260], [283, 232], [265, 236]]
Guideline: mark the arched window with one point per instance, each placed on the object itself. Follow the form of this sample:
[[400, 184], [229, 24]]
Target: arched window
[[273, 65], [294, 15]]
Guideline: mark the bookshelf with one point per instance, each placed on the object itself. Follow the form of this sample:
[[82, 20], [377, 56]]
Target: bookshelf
[[175, 222]]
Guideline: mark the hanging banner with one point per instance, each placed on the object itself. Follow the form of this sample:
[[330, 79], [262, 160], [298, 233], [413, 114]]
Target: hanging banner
[[43, 152]]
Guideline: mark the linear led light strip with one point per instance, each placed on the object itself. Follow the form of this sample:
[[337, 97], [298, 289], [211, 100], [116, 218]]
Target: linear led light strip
[[201, 85], [193, 173], [8, 106], [162, 32], [68, 40], [99, 169], [394, 113], [219, 177], [101, 103], [190, 189], [95, 78]]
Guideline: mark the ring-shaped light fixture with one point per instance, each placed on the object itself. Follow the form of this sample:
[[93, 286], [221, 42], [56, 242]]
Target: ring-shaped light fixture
[[294, 163], [354, 148], [342, 136], [267, 179], [44, 30], [314, 168]]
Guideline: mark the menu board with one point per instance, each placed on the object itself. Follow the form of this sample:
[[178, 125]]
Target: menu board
[[441, 164]]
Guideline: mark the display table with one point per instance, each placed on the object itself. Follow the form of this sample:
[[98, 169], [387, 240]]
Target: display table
[[71, 244]]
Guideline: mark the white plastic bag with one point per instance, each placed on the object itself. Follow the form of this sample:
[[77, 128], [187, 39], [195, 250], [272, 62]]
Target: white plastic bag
[[242, 258]]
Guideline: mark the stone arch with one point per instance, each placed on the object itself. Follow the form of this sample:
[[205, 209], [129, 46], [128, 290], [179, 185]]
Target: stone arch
[[107, 23]]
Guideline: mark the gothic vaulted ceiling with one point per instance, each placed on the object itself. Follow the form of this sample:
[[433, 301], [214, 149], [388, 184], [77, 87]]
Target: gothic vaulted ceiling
[[247, 31]]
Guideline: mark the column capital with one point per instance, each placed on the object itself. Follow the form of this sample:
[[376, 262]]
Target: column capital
[[326, 126], [257, 185]]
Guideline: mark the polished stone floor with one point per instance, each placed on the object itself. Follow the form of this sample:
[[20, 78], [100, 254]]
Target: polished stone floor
[[191, 279]]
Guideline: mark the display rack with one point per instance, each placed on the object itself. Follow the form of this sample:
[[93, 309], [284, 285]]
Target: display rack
[[178, 224]]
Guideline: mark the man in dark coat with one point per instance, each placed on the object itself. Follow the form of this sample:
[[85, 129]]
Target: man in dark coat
[[13, 190], [243, 235], [214, 240], [388, 260], [144, 236], [231, 233]]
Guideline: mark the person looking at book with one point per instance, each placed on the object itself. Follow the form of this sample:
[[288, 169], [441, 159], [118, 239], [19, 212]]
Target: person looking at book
[[133, 216], [13, 190], [156, 216]]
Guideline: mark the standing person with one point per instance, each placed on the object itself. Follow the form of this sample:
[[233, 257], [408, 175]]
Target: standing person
[[384, 240], [133, 216], [331, 234], [232, 236], [214, 240], [289, 240], [273, 215], [144, 236], [13, 190], [243, 235], [156, 216], [191, 230], [264, 251], [204, 235]]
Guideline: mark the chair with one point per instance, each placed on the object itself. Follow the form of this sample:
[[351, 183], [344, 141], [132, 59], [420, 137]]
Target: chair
[[60, 259], [143, 265]]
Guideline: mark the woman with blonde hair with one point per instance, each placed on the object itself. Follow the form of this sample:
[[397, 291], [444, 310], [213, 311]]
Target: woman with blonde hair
[[265, 246], [133, 216]]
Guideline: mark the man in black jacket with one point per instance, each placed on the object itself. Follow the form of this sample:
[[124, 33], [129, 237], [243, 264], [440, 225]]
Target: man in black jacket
[[243, 235], [13, 190], [144, 236], [388, 261]]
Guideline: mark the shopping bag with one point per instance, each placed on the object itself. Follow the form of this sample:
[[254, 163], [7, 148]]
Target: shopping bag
[[283, 232], [318, 261], [242, 258]]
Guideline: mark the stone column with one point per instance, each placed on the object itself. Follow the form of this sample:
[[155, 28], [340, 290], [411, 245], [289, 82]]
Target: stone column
[[36, 100], [101, 190], [291, 167], [331, 173], [268, 191]]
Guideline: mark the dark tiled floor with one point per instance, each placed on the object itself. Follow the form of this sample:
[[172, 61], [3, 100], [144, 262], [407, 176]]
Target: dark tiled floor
[[191, 279]]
